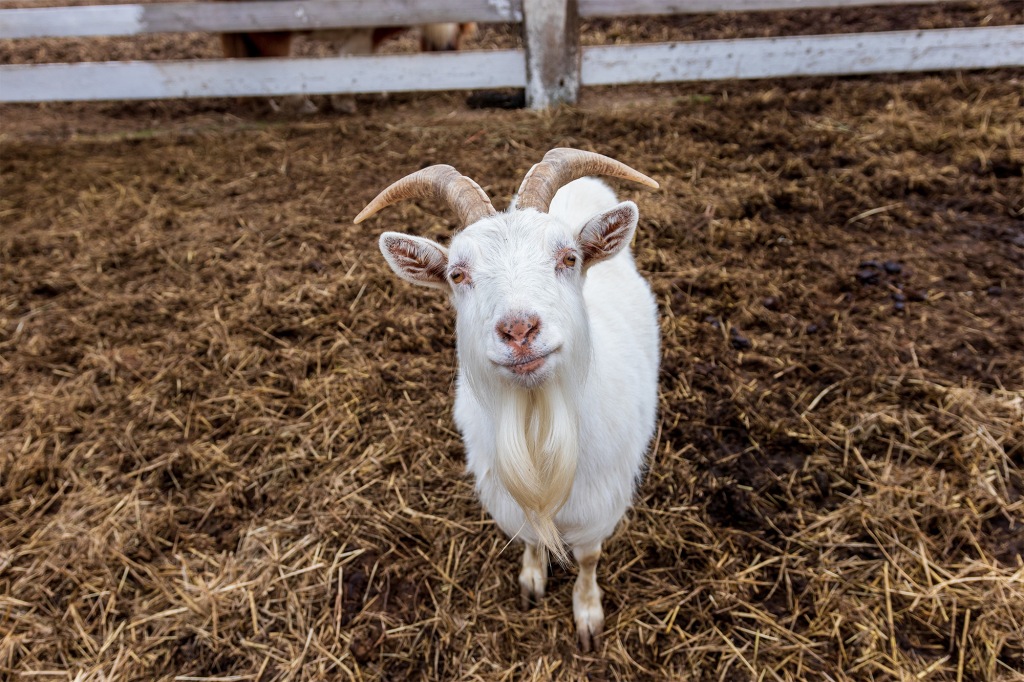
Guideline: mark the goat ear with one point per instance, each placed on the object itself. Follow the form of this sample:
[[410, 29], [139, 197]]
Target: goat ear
[[605, 234], [415, 259]]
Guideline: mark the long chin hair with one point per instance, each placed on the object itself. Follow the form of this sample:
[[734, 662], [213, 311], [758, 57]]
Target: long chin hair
[[537, 451], [536, 430]]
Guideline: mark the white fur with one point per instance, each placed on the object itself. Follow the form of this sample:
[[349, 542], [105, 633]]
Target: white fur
[[616, 400], [359, 41], [556, 452], [444, 37]]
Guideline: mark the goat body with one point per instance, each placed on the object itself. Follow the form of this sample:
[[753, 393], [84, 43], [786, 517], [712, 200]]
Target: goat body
[[557, 339], [610, 390], [433, 38], [349, 41]]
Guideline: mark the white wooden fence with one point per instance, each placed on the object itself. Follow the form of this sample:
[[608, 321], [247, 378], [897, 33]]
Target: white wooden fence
[[551, 68]]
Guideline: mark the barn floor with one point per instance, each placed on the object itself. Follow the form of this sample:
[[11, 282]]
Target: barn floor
[[226, 448]]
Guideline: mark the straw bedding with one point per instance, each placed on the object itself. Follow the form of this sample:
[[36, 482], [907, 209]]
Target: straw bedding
[[226, 447]]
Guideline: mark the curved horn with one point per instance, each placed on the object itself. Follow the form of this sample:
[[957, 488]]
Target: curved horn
[[561, 166], [441, 182]]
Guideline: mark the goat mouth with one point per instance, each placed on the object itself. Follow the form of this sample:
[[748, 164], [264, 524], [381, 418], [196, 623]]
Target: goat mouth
[[526, 366]]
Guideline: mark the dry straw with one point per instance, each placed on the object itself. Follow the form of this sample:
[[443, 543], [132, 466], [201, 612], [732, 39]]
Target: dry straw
[[226, 448]]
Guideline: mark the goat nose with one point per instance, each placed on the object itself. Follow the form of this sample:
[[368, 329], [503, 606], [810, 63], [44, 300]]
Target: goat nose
[[518, 330]]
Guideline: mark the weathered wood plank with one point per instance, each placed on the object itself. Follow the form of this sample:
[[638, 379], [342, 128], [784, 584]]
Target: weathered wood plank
[[551, 34], [99, 20], [60, 22], [171, 17], [250, 77], [849, 54], [618, 8], [964, 48]]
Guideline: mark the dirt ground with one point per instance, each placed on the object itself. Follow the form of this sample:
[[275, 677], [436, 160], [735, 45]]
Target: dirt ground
[[226, 445]]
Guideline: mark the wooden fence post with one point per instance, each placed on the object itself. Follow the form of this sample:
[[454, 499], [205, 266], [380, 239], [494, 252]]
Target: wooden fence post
[[551, 33]]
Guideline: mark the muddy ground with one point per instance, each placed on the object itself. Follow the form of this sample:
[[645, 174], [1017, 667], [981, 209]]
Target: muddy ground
[[226, 446]]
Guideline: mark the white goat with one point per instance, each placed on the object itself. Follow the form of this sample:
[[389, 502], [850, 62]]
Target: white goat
[[557, 338]]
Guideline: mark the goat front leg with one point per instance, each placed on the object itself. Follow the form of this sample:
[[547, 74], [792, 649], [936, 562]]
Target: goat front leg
[[534, 575], [586, 598]]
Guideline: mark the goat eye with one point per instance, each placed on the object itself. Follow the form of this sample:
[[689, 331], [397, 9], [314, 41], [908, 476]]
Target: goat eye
[[458, 276], [569, 260]]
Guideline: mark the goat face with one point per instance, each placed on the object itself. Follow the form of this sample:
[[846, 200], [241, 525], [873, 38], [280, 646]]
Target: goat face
[[516, 282]]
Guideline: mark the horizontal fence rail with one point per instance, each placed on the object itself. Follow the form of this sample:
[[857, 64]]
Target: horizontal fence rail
[[830, 55], [907, 51], [625, 8], [250, 77], [214, 17]]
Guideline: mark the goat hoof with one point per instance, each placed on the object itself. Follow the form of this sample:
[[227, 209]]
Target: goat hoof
[[590, 637], [533, 577], [589, 622], [531, 588]]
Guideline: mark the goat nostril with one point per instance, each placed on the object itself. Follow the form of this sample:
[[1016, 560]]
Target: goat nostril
[[518, 330], [534, 328]]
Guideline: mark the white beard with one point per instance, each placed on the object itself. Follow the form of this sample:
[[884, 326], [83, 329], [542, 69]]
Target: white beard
[[537, 449]]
